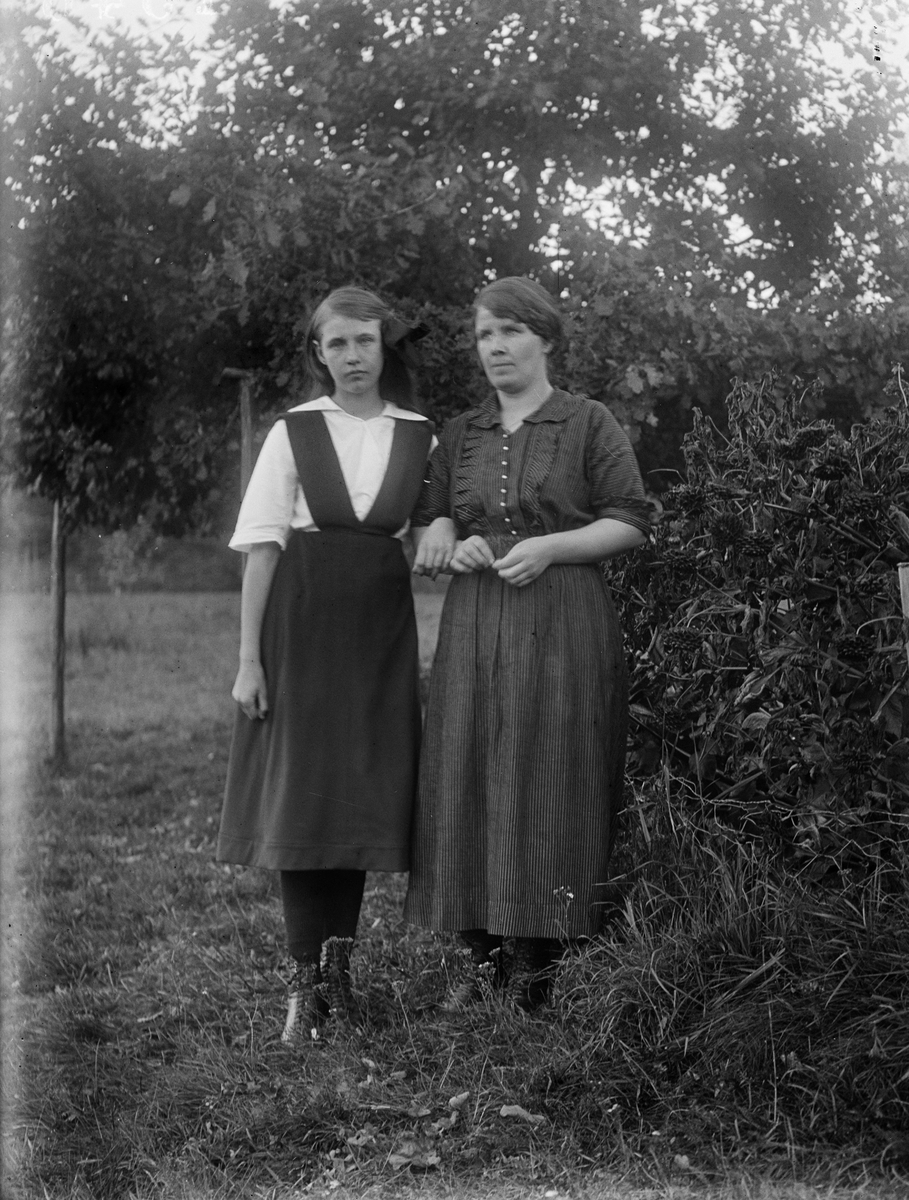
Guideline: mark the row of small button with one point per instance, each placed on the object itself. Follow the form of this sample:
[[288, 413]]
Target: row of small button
[[504, 491]]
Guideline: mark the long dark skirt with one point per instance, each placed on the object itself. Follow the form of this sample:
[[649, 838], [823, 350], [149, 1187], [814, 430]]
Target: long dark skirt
[[523, 757], [327, 780]]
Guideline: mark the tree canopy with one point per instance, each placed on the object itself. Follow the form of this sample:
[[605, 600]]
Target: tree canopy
[[711, 190], [92, 416], [757, 136]]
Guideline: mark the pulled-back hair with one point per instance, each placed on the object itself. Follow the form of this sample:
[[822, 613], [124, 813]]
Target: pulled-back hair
[[396, 383], [522, 299]]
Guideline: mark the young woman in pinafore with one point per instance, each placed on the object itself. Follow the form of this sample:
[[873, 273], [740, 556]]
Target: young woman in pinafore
[[322, 768]]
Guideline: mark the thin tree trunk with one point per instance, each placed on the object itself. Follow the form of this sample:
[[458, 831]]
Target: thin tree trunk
[[903, 570], [246, 432], [246, 380], [58, 639]]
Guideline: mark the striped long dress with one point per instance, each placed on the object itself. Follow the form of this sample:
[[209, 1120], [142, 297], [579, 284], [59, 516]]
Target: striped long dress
[[523, 749]]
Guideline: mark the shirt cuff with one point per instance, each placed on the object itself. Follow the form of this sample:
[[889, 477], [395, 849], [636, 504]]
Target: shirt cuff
[[243, 540], [637, 514]]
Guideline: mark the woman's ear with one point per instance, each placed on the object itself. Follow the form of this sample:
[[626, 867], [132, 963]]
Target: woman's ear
[[319, 355]]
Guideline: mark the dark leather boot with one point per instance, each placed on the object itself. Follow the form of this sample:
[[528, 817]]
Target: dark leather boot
[[483, 971], [306, 1006], [532, 972], [335, 964]]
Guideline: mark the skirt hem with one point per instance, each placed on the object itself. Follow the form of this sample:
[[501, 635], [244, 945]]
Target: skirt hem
[[506, 925], [313, 858]]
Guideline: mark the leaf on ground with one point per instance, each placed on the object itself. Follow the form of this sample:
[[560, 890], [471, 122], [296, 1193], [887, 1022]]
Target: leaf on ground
[[458, 1101], [417, 1153], [515, 1110], [445, 1123], [363, 1137]]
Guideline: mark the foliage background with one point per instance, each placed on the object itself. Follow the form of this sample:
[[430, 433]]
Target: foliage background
[[715, 191], [765, 626]]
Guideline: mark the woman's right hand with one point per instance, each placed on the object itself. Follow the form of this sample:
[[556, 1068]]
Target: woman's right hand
[[435, 546], [473, 554], [250, 692]]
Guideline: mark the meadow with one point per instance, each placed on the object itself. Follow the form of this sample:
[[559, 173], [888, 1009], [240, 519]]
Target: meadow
[[709, 1045]]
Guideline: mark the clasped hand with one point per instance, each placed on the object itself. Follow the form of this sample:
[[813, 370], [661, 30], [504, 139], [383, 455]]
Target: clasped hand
[[523, 563], [439, 552]]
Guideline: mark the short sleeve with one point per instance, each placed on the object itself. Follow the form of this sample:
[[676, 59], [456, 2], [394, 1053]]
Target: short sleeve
[[616, 489], [268, 503], [435, 494]]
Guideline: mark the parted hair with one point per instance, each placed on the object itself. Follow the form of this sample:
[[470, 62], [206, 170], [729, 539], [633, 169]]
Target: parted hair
[[396, 383], [523, 300]]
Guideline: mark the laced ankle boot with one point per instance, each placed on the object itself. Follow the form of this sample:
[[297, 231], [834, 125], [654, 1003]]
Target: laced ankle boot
[[532, 972], [335, 965], [306, 1006]]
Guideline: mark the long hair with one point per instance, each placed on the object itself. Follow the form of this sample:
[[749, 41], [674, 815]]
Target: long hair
[[522, 299], [396, 383]]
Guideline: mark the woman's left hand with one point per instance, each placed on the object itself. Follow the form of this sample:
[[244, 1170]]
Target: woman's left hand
[[525, 562]]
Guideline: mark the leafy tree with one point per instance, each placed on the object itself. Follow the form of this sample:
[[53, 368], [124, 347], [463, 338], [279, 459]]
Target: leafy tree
[[101, 300], [97, 307], [414, 145], [710, 120], [656, 334]]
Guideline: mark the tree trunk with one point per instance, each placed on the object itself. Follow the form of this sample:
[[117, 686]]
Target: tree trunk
[[903, 570], [246, 433], [58, 640], [246, 380]]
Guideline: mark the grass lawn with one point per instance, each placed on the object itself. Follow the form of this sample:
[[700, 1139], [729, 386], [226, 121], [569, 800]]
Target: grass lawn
[[142, 1004]]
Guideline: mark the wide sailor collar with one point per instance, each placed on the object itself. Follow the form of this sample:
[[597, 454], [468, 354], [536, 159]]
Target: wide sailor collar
[[557, 407], [326, 404]]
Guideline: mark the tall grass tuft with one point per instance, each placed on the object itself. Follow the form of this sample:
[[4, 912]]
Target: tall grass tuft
[[741, 1010]]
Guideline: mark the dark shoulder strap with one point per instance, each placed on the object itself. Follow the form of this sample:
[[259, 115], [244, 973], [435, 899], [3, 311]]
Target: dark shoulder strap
[[404, 476], [319, 470]]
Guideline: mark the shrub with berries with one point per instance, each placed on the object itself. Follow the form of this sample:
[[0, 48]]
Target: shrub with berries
[[765, 631]]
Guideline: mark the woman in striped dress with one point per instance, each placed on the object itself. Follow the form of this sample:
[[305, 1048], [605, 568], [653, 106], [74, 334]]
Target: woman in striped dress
[[322, 770], [524, 742]]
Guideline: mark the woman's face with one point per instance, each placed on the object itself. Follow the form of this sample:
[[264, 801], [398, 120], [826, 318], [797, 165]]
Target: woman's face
[[514, 358], [352, 352]]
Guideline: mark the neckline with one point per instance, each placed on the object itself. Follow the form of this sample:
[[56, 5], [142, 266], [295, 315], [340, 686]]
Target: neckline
[[383, 412], [556, 407], [389, 409]]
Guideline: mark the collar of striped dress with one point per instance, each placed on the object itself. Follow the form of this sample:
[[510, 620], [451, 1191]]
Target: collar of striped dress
[[557, 408]]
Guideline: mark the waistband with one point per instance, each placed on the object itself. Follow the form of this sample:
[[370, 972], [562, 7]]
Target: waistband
[[344, 531]]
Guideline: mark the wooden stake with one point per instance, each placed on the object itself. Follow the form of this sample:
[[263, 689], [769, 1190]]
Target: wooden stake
[[903, 570], [246, 422], [58, 640], [246, 431]]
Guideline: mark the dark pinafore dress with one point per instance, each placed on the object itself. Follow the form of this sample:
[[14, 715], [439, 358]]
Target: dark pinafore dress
[[327, 780]]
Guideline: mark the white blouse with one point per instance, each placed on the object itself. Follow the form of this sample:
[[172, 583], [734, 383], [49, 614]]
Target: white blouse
[[274, 502]]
